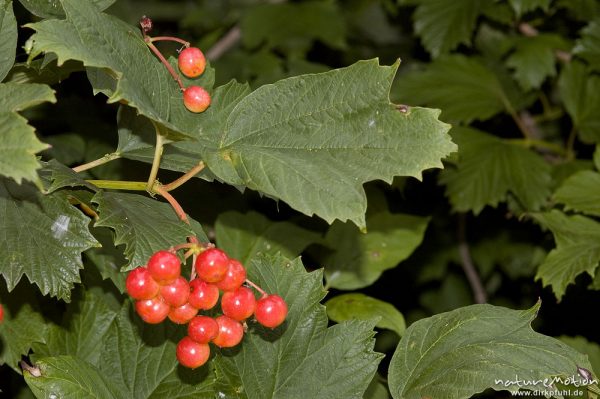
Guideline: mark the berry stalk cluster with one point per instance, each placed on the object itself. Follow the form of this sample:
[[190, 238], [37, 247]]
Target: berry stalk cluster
[[161, 292], [191, 63]]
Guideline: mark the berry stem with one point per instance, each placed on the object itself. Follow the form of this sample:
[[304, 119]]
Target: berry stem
[[187, 245], [167, 39], [159, 189], [162, 59], [257, 288], [187, 176], [100, 161], [120, 185], [158, 150]]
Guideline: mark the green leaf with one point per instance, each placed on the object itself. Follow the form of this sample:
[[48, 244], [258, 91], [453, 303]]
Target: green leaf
[[463, 87], [303, 358], [579, 91], [66, 376], [314, 140], [581, 192], [577, 249], [484, 342], [142, 224], [523, 6], [360, 259], [293, 25], [362, 307], [23, 325], [533, 59], [61, 176], [376, 390], [54, 9], [8, 33], [44, 236], [597, 158], [443, 25], [582, 345], [244, 236], [588, 47], [581, 9], [103, 42], [489, 168], [19, 143]]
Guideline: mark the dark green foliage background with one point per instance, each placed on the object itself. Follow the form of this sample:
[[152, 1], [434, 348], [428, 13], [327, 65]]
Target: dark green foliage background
[[518, 81]]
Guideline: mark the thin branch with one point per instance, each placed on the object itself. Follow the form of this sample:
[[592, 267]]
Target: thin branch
[[158, 150], [100, 161], [187, 176], [231, 38], [120, 185], [168, 39], [162, 59], [257, 288], [479, 293], [571, 142]]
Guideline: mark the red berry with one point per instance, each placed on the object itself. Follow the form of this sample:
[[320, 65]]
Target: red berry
[[140, 284], [191, 62], [196, 99], [203, 295], [211, 265], [203, 329], [191, 354], [234, 277], [271, 311], [164, 267], [1, 313], [152, 311], [230, 333], [238, 304], [182, 314], [176, 294]]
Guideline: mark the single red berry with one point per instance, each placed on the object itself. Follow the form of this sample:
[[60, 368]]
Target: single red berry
[[192, 354], [164, 267], [1, 313], [211, 265], [140, 284], [191, 62], [196, 99], [271, 311], [234, 277], [152, 311], [238, 304], [230, 333], [203, 295], [203, 329], [183, 314], [176, 293]]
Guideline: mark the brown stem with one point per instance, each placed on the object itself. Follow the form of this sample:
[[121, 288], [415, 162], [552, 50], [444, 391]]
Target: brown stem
[[168, 39], [467, 262], [257, 288], [162, 59], [159, 189], [187, 176], [224, 44]]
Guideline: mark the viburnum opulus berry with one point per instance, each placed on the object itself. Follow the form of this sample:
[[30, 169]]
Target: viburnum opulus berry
[[238, 304], [196, 99], [176, 294], [164, 267], [192, 354], [203, 295], [183, 314], [140, 284], [271, 311], [234, 277], [211, 265], [203, 329], [152, 311], [191, 62], [230, 333]]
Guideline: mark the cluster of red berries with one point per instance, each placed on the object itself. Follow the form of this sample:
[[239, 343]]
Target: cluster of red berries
[[191, 63], [160, 292]]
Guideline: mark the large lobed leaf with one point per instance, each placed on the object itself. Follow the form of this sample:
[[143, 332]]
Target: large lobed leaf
[[43, 237], [489, 168], [482, 346], [302, 358], [581, 192], [133, 73], [588, 47], [142, 224], [54, 9], [8, 33], [314, 140], [577, 249], [463, 87], [18, 144]]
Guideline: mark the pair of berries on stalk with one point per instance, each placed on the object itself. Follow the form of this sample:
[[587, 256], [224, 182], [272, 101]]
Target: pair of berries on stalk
[[191, 63], [160, 292]]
